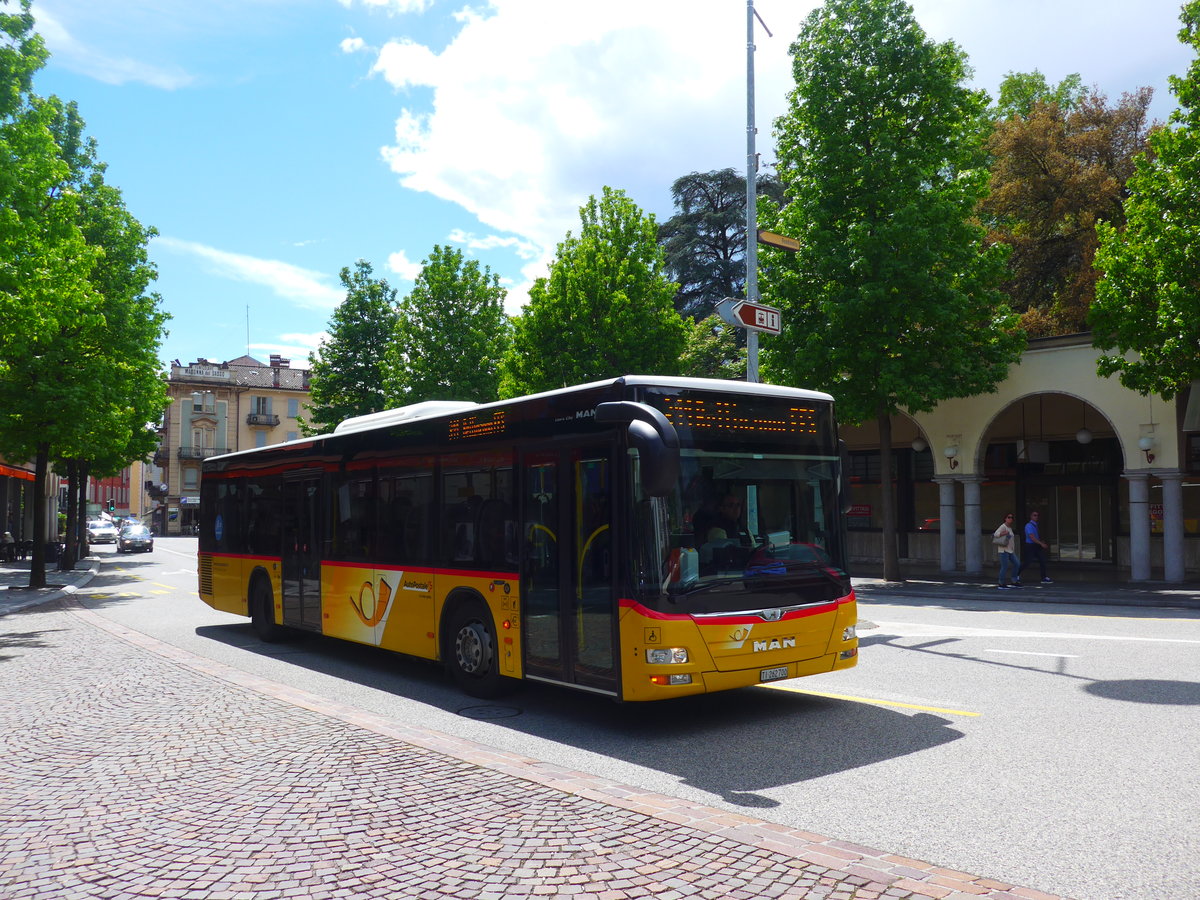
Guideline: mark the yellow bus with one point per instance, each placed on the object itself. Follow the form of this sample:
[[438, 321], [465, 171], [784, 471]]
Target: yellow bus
[[641, 538]]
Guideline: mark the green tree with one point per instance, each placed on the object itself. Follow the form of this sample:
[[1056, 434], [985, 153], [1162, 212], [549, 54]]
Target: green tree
[[450, 334], [348, 369], [1148, 300], [78, 333], [704, 242], [1020, 92], [1056, 172], [604, 310], [714, 349], [890, 303]]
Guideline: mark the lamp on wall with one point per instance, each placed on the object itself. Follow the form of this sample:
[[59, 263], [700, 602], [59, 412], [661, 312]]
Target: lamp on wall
[[952, 452], [919, 444], [1146, 444], [1084, 434]]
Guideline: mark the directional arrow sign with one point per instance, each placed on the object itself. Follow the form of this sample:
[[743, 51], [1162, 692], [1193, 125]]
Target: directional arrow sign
[[782, 241], [756, 317]]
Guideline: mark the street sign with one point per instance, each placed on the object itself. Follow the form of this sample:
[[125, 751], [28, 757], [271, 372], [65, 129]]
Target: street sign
[[756, 317], [782, 241]]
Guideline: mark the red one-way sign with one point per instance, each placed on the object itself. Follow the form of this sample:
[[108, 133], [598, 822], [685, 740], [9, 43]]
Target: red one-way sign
[[757, 317]]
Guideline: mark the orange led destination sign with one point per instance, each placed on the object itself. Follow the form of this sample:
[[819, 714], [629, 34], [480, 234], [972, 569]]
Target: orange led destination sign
[[464, 427], [729, 415]]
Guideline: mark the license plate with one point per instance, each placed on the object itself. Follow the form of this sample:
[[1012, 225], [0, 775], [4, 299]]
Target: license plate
[[773, 674]]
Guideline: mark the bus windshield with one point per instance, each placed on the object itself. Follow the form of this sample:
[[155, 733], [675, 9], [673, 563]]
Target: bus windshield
[[742, 531]]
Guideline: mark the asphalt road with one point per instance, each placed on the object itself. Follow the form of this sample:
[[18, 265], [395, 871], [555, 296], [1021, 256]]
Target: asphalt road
[[1046, 745]]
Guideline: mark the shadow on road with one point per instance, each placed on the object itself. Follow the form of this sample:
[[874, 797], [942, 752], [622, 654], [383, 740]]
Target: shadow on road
[[734, 744]]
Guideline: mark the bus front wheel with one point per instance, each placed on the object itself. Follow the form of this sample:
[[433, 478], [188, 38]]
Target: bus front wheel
[[472, 655], [262, 613]]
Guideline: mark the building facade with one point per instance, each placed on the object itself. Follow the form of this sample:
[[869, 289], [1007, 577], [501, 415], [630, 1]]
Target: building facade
[[1114, 475], [219, 408]]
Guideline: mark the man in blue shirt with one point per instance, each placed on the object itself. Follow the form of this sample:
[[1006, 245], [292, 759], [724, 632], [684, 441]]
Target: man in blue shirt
[[1034, 545]]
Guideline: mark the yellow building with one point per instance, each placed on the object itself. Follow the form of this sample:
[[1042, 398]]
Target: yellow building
[[1113, 474], [220, 408]]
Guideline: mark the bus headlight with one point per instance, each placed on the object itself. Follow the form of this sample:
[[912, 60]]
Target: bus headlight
[[850, 633], [667, 655]]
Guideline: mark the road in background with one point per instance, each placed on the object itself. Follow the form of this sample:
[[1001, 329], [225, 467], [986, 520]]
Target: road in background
[[1047, 745]]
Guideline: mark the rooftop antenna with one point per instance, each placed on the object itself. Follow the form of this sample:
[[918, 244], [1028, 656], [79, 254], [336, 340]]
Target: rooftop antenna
[[247, 329]]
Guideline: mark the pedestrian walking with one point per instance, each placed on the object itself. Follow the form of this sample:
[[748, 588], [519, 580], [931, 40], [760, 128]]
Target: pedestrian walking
[[1005, 540], [1034, 547]]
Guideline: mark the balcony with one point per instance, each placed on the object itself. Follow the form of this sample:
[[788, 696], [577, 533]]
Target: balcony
[[199, 452], [270, 420]]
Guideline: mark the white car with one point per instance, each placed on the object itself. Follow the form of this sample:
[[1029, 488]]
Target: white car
[[101, 532]]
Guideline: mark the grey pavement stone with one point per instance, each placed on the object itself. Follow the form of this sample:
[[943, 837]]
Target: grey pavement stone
[[133, 769]]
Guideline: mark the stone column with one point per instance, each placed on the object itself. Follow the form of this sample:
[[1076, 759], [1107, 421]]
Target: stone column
[[972, 525], [947, 550], [1172, 500], [1139, 525]]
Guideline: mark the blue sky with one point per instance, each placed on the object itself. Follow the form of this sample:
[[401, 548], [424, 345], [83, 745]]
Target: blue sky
[[272, 142]]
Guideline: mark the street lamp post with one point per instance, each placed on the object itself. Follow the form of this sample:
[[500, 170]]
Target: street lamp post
[[751, 191]]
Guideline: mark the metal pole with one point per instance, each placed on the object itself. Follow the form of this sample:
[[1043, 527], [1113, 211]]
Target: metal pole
[[751, 197]]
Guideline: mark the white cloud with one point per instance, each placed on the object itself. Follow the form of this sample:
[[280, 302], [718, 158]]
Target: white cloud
[[534, 111], [353, 45], [392, 7], [523, 249], [305, 287], [108, 68], [399, 263], [531, 110], [294, 346]]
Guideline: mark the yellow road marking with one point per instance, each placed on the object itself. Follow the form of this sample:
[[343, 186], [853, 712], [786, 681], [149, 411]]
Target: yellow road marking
[[871, 700]]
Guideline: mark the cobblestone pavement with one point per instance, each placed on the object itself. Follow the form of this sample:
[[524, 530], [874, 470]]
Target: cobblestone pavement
[[131, 768]]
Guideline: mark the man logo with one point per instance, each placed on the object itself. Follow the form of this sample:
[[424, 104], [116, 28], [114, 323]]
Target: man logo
[[774, 644], [772, 615]]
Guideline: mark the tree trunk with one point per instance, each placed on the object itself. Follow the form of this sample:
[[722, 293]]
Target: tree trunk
[[37, 566], [887, 498]]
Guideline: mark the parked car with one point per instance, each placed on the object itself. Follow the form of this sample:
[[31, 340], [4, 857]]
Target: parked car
[[101, 531], [135, 537]]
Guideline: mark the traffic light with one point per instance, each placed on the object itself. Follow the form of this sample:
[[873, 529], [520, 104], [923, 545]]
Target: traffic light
[[111, 505]]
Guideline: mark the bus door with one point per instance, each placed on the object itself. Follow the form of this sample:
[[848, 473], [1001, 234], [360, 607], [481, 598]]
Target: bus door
[[302, 552], [567, 567]]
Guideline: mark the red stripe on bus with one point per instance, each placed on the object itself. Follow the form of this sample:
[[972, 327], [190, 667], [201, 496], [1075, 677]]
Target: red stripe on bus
[[735, 619]]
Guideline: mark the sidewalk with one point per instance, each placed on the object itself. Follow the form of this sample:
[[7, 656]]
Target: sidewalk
[[136, 769], [943, 587], [15, 593]]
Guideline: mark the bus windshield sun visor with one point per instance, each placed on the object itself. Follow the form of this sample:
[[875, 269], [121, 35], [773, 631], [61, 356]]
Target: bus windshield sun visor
[[655, 439]]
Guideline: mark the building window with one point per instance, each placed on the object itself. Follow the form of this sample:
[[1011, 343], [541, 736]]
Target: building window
[[260, 439], [260, 406], [204, 402], [293, 435], [191, 478], [293, 408]]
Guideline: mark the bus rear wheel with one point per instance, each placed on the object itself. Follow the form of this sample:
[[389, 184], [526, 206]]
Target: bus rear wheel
[[471, 654], [262, 613]]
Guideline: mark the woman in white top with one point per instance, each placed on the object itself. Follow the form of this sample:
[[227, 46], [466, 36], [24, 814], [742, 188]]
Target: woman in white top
[[1006, 542]]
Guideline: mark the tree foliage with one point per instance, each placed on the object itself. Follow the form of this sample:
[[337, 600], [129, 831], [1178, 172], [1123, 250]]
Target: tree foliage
[[1020, 92], [604, 310], [704, 242], [1148, 301], [1057, 171], [714, 349], [891, 302], [79, 333], [450, 333], [348, 369]]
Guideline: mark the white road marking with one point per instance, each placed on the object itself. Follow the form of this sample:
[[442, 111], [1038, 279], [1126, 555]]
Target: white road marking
[[910, 630]]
